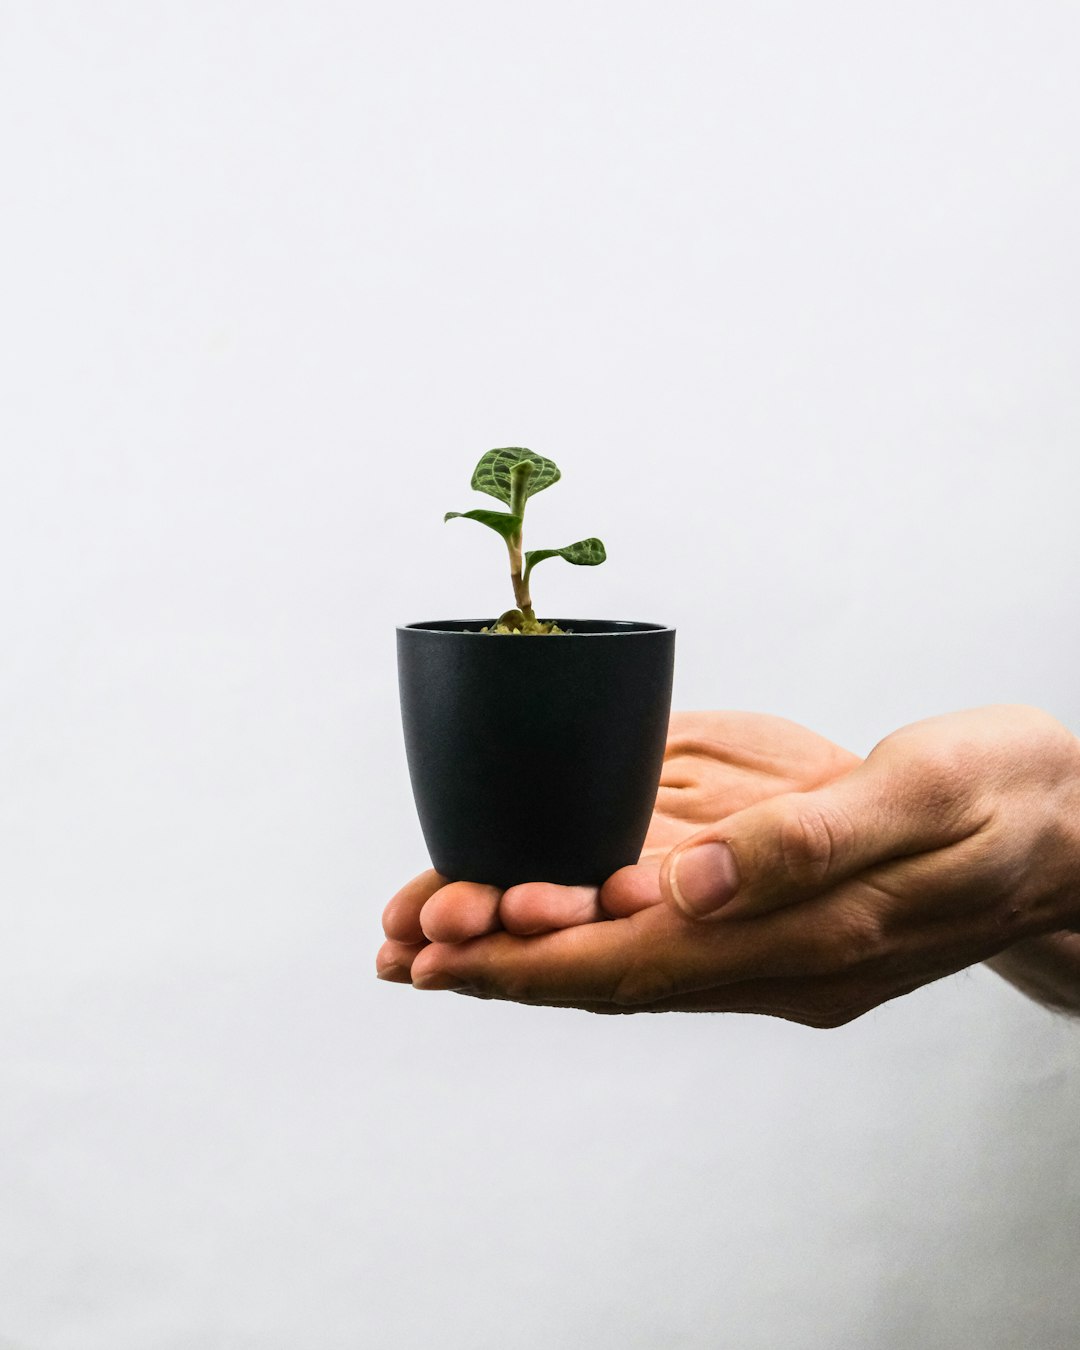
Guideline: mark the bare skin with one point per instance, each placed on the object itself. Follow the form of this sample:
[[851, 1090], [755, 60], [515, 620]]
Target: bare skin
[[848, 883], [715, 763]]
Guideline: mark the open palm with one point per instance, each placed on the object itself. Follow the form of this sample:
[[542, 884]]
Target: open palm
[[715, 763]]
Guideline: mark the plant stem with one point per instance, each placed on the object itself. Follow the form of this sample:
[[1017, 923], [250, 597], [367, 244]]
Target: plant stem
[[519, 482]]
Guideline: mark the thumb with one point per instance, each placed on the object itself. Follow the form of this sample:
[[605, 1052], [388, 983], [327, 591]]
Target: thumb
[[800, 844]]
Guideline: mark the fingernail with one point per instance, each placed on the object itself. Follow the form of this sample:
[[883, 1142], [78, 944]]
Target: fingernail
[[704, 878], [438, 979]]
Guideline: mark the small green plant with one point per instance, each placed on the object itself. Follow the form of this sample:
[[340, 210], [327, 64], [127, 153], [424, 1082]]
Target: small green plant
[[513, 475]]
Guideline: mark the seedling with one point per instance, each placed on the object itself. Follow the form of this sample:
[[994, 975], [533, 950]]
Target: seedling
[[513, 475]]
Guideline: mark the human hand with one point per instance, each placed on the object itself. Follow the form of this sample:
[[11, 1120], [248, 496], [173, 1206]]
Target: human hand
[[715, 763], [955, 839]]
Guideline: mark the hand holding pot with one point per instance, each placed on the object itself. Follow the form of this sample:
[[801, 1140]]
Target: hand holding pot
[[956, 839], [715, 763]]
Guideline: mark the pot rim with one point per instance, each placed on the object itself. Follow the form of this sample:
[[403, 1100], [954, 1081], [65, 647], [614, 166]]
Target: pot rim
[[470, 627]]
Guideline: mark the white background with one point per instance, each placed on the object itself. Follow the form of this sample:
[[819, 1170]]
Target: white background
[[790, 291]]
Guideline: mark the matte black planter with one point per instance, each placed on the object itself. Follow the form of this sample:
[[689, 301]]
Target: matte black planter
[[538, 759]]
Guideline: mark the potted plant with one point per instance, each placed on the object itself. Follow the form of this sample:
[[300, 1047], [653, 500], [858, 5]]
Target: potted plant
[[536, 760]]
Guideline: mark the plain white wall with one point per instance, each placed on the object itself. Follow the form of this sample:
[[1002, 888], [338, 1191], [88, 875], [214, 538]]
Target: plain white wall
[[791, 293]]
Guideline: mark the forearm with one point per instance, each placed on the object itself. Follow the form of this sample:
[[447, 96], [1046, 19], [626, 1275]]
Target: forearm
[[1045, 968]]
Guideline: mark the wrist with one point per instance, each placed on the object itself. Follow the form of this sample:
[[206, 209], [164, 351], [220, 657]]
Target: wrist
[[1049, 891], [1071, 922]]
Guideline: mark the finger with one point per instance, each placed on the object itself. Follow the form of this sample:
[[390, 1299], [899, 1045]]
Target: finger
[[761, 756], [394, 960], [793, 1000], [803, 843], [812, 1003], [852, 988], [578, 962], [631, 889], [401, 917], [541, 907], [652, 955], [461, 910], [821, 1001]]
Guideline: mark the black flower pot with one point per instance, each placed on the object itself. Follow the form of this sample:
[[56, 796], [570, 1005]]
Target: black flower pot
[[535, 758]]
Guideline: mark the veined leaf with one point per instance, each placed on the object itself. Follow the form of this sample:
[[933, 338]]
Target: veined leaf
[[492, 474], [500, 521], [585, 553]]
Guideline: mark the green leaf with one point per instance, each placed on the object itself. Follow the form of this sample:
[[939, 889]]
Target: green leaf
[[492, 474], [500, 521], [585, 553]]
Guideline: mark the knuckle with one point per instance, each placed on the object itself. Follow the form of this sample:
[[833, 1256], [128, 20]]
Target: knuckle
[[860, 939], [813, 837], [850, 940], [945, 779], [941, 776], [931, 755]]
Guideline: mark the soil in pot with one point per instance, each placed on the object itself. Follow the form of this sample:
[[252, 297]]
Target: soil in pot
[[513, 621]]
